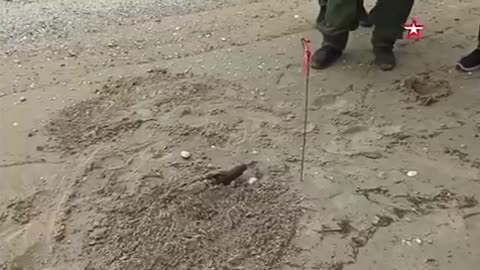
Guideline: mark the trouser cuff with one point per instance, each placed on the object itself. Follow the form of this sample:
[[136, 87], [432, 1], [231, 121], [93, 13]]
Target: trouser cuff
[[386, 37], [338, 41]]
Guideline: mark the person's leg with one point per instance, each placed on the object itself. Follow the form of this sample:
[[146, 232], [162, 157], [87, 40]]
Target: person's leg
[[471, 62], [362, 15], [363, 19], [323, 10], [388, 16], [340, 18]]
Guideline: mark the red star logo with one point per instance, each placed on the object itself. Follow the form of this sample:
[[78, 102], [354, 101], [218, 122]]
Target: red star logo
[[413, 29]]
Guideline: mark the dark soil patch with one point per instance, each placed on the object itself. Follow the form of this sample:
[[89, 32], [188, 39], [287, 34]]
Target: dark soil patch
[[170, 227]]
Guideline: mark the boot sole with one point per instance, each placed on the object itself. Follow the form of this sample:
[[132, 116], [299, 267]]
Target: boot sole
[[465, 69], [313, 65], [319, 67]]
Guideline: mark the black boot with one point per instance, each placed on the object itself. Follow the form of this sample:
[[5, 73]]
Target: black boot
[[470, 62], [384, 58], [321, 15], [363, 19], [324, 57]]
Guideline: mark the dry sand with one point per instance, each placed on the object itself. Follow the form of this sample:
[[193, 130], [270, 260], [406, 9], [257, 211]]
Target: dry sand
[[99, 98]]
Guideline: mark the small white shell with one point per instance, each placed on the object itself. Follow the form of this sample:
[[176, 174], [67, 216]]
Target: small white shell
[[185, 154], [252, 180], [412, 173]]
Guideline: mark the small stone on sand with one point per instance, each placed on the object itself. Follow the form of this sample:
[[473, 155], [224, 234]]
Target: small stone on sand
[[412, 173], [185, 154], [252, 180]]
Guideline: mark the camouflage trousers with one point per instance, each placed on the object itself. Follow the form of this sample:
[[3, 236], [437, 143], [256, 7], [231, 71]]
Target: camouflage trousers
[[388, 17]]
